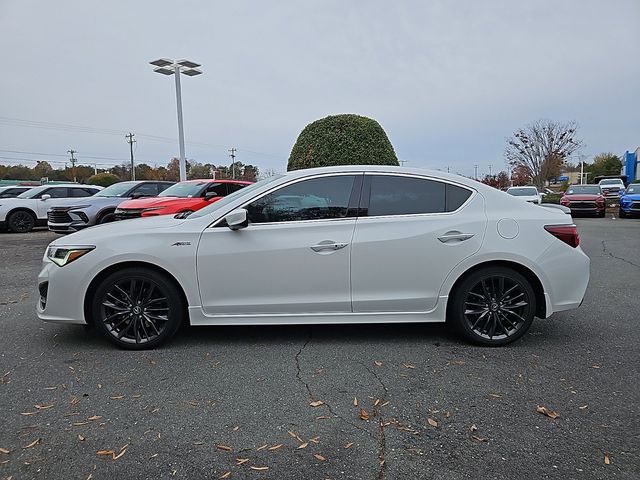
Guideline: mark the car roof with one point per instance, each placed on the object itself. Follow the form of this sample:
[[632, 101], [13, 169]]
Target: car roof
[[212, 180]]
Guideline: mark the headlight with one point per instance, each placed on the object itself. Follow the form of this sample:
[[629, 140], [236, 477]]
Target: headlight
[[61, 256]]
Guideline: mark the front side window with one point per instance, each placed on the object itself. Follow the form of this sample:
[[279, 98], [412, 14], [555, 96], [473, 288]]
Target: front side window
[[147, 190], [314, 199], [217, 189], [56, 192]]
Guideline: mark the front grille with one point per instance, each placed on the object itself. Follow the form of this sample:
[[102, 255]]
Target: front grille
[[127, 213], [582, 205], [58, 216], [635, 205]]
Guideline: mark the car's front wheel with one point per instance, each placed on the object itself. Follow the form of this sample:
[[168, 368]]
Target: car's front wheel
[[493, 306], [21, 221], [622, 213], [137, 308]]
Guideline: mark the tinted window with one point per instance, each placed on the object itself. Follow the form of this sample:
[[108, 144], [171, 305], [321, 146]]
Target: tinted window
[[456, 196], [163, 186], [79, 192], [219, 189], [315, 199], [56, 192], [233, 187], [392, 195], [147, 190]]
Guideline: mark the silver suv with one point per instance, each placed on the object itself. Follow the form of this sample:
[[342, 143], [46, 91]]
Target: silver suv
[[76, 215]]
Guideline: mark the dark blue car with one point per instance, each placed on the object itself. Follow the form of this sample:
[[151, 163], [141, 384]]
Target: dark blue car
[[630, 201]]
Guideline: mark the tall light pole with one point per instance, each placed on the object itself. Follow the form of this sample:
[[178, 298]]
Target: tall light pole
[[166, 66]]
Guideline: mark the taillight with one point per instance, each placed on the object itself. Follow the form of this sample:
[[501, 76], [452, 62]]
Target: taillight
[[567, 233]]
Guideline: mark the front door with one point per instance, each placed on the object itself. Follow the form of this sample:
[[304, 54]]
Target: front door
[[292, 258]]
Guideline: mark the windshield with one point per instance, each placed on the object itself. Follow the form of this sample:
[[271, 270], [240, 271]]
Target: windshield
[[231, 197], [523, 192], [117, 189], [633, 188], [33, 192], [613, 181], [584, 190], [184, 189]]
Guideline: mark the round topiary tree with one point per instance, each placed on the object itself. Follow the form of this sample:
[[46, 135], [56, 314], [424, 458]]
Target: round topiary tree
[[103, 179], [342, 140]]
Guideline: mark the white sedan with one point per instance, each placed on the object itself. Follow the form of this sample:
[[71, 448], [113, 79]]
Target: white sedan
[[353, 244]]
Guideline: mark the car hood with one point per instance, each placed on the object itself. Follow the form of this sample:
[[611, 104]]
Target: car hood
[[102, 233], [157, 202], [581, 197], [93, 201], [628, 196]]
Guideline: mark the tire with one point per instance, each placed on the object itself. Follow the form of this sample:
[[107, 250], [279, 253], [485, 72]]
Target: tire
[[106, 218], [21, 221], [137, 308], [602, 214], [622, 213], [479, 315]]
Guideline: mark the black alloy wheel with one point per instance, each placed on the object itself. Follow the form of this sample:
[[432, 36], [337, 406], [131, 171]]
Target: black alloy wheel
[[21, 221], [138, 308], [106, 218], [494, 307]]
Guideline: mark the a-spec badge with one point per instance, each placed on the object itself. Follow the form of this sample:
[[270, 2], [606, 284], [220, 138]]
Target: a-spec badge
[[180, 244]]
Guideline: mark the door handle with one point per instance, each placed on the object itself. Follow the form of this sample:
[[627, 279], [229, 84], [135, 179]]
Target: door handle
[[328, 246], [450, 236]]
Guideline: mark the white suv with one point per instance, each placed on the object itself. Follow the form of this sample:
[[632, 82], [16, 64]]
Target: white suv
[[29, 209], [609, 187]]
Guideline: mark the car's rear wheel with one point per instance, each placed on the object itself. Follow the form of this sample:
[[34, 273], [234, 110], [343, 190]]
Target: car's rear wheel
[[137, 308], [602, 214], [21, 221], [493, 306]]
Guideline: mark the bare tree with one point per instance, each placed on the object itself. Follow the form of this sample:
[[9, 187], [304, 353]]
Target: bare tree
[[542, 148]]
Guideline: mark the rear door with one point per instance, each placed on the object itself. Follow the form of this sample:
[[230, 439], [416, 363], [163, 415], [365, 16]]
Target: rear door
[[410, 234], [55, 193]]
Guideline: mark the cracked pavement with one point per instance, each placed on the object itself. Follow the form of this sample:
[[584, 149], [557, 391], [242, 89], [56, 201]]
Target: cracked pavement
[[222, 399]]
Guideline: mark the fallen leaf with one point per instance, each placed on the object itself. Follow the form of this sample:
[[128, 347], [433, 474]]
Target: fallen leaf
[[117, 397], [224, 447], [447, 414], [29, 413], [225, 475], [50, 388], [545, 411], [479, 439], [240, 461], [317, 403], [377, 363], [607, 460], [319, 457], [94, 417], [473, 428], [348, 445], [385, 403], [199, 442], [99, 386], [294, 435], [259, 468], [193, 403], [355, 402], [77, 424], [43, 407], [315, 439], [322, 417], [34, 443], [583, 407], [595, 366], [363, 414], [495, 395], [82, 438], [235, 429], [136, 396], [303, 445], [123, 450], [408, 365], [275, 447], [74, 400], [263, 446], [105, 452], [432, 422], [458, 362], [4, 450]]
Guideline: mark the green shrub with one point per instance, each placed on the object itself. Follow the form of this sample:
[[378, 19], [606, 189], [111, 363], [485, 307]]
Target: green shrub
[[552, 198], [342, 140], [103, 179]]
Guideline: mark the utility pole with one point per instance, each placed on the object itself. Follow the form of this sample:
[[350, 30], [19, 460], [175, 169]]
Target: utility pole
[[233, 162], [490, 169], [447, 168], [402, 162], [475, 169], [131, 141], [73, 162]]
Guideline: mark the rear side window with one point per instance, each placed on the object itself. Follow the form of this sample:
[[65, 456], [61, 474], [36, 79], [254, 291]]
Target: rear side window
[[147, 190], [163, 186], [396, 195], [80, 192]]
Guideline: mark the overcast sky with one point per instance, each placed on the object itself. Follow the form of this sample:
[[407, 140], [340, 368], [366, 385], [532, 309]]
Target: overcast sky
[[447, 80]]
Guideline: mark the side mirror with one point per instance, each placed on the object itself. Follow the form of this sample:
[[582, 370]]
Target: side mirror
[[44, 197], [237, 219], [210, 196], [135, 195]]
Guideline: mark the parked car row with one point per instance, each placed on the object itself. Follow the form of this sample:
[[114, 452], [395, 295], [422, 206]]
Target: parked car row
[[68, 208]]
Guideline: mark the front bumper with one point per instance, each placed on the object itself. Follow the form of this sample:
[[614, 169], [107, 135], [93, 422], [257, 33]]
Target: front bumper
[[59, 301], [66, 227]]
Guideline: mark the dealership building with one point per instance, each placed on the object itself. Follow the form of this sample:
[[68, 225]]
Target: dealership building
[[631, 165]]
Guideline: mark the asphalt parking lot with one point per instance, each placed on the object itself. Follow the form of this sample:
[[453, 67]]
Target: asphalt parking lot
[[280, 402]]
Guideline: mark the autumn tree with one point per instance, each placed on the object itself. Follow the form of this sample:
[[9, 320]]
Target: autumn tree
[[604, 164], [42, 169], [542, 148]]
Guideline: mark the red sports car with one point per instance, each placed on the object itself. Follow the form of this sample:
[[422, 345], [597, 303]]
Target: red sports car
[[584, 199], [184, 197]]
